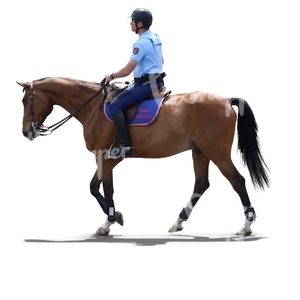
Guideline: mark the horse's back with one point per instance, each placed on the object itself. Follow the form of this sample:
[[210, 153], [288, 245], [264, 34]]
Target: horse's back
[[201, 104]]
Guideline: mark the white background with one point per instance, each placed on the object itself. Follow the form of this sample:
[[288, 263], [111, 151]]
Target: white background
[[244, 49]]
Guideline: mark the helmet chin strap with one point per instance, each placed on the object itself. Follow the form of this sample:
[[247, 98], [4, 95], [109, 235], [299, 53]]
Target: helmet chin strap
[[137, 28]]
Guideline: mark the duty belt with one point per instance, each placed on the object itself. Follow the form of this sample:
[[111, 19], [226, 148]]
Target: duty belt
[[150, 78]]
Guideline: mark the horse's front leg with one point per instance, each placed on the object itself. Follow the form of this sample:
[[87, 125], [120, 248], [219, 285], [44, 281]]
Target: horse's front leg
[[106, 203]]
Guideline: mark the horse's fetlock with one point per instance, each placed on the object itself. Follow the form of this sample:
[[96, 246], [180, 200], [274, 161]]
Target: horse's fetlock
[[249, 213]]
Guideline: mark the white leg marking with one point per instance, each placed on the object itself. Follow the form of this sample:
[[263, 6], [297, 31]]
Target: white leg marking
[[246, 229], [177, 226], [104, 228]]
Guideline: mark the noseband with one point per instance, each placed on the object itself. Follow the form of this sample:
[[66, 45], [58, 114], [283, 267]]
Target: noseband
[[40, 129]]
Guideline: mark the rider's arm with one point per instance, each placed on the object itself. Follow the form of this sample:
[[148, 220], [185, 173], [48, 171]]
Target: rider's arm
[[125, 71]]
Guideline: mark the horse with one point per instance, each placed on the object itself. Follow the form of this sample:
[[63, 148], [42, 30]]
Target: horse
[[201, 122]]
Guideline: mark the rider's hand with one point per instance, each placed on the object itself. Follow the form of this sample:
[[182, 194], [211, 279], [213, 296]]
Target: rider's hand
[[109, 77]]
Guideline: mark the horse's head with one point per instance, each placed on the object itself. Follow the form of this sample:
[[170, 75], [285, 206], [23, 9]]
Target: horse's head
[[36, 108]]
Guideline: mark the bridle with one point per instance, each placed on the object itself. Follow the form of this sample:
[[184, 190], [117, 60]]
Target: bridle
[[41, 129]]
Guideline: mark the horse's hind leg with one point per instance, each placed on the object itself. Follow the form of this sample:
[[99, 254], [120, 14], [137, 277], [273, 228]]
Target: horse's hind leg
[[201, 163], [238, 183]]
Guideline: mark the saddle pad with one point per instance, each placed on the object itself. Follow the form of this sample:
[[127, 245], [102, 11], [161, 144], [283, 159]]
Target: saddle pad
[[145, 114]]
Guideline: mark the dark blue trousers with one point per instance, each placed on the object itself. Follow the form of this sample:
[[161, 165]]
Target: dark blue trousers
[[133, 94]]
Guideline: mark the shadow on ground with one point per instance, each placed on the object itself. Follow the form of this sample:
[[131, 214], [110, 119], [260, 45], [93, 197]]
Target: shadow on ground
[[152, 241]]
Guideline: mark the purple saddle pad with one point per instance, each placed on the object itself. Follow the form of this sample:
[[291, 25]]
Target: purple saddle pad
[[145, 114]]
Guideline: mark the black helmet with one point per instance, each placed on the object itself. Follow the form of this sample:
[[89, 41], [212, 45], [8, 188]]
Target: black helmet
[[142, 15]]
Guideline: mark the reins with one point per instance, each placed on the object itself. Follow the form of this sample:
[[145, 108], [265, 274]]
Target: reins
[[44, 130]]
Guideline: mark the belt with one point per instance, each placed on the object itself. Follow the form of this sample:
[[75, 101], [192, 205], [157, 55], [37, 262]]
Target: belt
[[158, 78]]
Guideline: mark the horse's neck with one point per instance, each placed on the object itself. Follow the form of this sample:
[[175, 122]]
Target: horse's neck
[[72, 99]]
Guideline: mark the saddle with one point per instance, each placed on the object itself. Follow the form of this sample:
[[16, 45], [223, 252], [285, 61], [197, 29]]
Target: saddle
[[114, 89]]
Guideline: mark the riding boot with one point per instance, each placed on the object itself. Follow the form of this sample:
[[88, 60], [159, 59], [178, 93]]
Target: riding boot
[[124, 149]]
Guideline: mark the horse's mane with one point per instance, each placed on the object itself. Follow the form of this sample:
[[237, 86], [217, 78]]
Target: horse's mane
[[69, 81], [41, 79]]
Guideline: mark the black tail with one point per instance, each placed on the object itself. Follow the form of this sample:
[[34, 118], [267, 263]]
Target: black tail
[[248, 144]]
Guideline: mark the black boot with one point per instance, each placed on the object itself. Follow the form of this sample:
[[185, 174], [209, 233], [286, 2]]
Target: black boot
[[124, 149]]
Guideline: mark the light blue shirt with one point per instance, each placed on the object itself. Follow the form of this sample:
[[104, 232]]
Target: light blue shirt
[[147, 51]]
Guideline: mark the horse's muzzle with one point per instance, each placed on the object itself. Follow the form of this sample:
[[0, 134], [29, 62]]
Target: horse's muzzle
[[30, 133]]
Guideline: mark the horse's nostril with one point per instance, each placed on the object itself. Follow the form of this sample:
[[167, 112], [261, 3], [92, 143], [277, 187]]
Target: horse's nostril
[[25, 133]]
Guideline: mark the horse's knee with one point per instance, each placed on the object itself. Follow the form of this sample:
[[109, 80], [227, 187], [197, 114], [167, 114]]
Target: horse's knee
[[94, 188]]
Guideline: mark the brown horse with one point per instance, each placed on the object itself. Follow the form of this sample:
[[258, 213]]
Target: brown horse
[[201, 122]]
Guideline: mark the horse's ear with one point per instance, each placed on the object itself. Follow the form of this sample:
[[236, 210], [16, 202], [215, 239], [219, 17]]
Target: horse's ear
[[24, 85]]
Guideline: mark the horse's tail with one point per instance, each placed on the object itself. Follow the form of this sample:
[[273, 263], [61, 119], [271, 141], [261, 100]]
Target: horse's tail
[[248, 144]]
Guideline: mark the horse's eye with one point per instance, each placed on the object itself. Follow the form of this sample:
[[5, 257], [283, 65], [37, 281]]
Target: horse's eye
[[25, 101]]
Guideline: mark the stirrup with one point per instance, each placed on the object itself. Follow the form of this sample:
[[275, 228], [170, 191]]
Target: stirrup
[[121, 151]]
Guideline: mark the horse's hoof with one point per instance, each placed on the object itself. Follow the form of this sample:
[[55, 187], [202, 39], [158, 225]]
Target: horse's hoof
[[119, 218], [102, 231], [244, 231], [175, 228]]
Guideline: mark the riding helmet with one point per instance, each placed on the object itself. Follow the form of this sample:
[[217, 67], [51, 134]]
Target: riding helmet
[[142, 15]]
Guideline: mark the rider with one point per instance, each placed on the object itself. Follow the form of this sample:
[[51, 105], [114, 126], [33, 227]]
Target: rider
[[146, 62]]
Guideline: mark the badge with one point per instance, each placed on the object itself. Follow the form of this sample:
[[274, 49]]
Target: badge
[[135, 50]]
